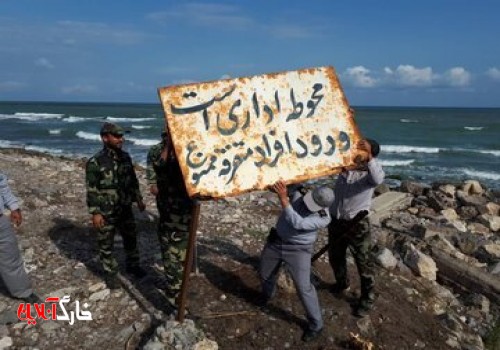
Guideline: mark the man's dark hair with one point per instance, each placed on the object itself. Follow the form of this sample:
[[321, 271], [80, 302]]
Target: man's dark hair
[[375, 147]]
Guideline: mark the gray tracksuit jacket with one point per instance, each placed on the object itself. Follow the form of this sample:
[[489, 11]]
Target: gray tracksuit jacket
[[297, 225], [7, 199]]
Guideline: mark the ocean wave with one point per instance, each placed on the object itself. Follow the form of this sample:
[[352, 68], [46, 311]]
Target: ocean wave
[[468, 150], [481, 174], [141, 127], [44, 149], [408, 149], [404, 120], [118, 119], [397, 162], [76, 119], [55, 131], [73, 119], [473, 128], [31, 116], [142, 142], [9, 144], [494, 152], [88, 136]]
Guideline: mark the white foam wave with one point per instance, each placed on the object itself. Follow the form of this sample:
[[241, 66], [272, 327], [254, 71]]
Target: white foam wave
[[488, 151], [481, 174], [73, 119], [404, 120], [9, 144], [55, 131], [473, 128], [141, 127], [408, 149], [397, 162], [31, 116], [44, 149], [117, 119], [142, 142], [88, 136]]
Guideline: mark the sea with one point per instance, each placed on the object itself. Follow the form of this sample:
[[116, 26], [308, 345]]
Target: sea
[[417, 143]]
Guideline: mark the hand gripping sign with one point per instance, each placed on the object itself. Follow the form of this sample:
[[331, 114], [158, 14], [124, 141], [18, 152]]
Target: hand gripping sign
[[237, 135]]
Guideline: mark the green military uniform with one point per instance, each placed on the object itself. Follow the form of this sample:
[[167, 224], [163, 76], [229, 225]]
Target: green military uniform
[[174, 207], [112, 187], [344, 235]]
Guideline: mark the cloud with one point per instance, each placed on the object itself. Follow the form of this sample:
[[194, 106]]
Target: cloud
[[408, 75], [44, 63], [10, 85], [229, 17], [205, 14], [53, 37], [359, 76], [79, 89], [457, 76], [494, 73], [75, 32], [175, 70], [290, 31], [184, 81]]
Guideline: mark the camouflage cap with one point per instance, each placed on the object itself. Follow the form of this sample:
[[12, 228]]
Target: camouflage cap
[[110, 128]]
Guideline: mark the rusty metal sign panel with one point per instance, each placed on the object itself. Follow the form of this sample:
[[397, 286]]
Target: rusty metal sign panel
[[236, 135]]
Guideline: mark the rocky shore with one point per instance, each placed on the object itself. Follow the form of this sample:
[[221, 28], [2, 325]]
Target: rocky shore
[[438, 249]]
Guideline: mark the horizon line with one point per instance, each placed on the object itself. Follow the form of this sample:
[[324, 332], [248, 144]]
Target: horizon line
[[159, 104]]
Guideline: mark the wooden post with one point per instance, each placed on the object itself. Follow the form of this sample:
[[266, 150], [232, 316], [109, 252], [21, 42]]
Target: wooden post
[[188, 262]]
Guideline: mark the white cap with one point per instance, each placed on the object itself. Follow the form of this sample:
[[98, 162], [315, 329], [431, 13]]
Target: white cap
[[318, 199]]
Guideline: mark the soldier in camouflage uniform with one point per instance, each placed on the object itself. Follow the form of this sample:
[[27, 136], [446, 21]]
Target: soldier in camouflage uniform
[[353, 193], [112, 187], [175, 208]]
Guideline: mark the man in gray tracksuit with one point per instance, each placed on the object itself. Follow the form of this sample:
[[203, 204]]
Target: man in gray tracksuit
[[291, 243], [12, 269]]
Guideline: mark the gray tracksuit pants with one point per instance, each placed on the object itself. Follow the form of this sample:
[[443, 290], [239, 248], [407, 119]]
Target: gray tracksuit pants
[[297, 260], [12, 269]]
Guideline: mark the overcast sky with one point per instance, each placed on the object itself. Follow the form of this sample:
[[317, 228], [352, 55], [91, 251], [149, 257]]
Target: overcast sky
[[385, 52]]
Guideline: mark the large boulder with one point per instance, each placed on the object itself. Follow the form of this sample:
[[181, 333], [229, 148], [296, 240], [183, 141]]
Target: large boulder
[[175, 335], [475, 200], [414, 188], [439, 201], [472, 187], [489, 253], [386, 259], [490, 208], [490, 221], [467, 212], [478, 228], [420, 263]]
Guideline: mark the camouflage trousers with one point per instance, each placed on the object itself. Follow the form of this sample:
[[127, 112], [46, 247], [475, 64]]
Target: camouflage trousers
[[342, 235], [125, 225], [173, 234]]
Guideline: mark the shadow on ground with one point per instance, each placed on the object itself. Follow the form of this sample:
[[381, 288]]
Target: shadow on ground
[[78, 243]]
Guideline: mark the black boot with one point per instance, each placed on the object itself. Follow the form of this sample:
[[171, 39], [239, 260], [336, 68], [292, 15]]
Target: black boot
[[136, 271], [310, 335], [32, 299], [112, 282]]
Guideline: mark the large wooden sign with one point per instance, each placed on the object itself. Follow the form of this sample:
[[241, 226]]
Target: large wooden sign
[[237, 135]]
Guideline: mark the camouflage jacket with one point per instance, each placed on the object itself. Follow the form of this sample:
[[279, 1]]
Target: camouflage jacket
[[166, 174], [111, 182]]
